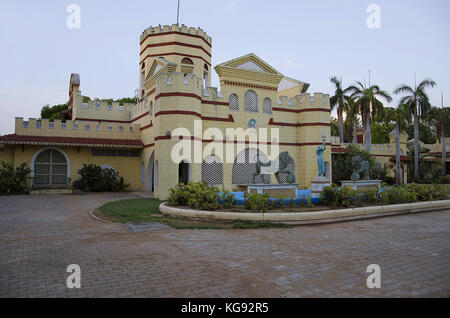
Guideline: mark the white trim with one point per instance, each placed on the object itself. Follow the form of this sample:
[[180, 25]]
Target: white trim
[[37, 153]]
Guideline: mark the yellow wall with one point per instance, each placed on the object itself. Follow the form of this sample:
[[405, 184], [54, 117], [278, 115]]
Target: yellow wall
[[128, 167]]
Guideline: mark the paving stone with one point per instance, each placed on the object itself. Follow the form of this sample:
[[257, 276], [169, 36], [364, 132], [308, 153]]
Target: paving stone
[[41, 235]]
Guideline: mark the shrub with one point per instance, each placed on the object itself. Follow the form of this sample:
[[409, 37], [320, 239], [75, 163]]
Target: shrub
[[444, 179], [96, 179], [275, 204], [328, 195], [344, 196], [196, 195], [397, 195], [257, 202], [227, 199], [389, 180], [369, 196], [14, 181]]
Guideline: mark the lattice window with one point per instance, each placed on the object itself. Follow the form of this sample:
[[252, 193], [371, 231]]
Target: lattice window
[[234, 102], [251, 102], [212, 171], [244, 168], [267, 106], [50, 168]]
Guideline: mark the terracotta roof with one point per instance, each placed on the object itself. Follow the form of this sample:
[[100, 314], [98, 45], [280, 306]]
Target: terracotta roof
[[402, 158], [70, 141], [339, 149]]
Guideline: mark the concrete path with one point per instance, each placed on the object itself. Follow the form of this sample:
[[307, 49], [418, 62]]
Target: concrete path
[[41, 235]]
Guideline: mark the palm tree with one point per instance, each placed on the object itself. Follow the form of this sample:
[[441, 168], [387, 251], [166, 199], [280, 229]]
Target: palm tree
[[402, 117], [369, 105], [441, 120], [338, 101], [351, 120], [418, 102]]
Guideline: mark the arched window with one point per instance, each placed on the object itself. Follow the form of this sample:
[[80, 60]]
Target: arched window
[[187, 61], [267, 106], [234, 102], [187, 66], [212, 171], [50, 167], [251, 102]]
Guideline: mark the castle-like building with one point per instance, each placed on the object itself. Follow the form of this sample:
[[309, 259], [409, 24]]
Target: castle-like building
[[177, 109]]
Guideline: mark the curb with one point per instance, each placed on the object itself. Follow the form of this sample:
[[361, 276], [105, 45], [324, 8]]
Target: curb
[[319, 217], [91, 214]]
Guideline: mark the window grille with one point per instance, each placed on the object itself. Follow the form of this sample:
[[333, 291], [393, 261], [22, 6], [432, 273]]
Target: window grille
[[251, 102], [212, 171], [234, 102], [267, 106], [244, 168], [50, 168]]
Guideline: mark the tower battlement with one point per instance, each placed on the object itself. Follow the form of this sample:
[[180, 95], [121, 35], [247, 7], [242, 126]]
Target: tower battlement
[[78, 128], [319, 100], [175, 28], [178, 82]]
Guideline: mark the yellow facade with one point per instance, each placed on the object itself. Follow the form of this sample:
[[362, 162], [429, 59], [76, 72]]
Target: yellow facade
[[174, 93]]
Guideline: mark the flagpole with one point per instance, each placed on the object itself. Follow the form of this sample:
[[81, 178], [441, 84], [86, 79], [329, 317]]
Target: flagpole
[[178, 11]]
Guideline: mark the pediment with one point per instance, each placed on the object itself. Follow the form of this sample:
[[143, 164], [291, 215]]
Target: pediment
[[249, 62], [157, 65]]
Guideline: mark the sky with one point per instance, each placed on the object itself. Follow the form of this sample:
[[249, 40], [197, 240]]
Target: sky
[[306, 40]]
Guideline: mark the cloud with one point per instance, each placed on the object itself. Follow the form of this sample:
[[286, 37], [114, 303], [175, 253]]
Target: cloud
[[289, 64], [232, 6]]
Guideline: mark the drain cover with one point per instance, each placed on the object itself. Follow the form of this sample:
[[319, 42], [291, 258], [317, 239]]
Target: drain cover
[[145, 227]]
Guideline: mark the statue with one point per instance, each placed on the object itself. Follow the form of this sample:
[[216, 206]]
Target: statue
[[260, 164], [320, 163], [360, 166], [284, 159]]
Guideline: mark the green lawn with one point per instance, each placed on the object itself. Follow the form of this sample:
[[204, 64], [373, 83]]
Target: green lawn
[[147, 210]]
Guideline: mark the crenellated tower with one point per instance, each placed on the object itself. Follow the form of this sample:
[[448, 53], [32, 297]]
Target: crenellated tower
[[187, 49]]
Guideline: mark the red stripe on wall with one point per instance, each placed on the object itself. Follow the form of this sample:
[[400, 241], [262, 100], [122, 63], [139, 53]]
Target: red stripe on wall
[[174, 53], [147, 126], [210, 102], [176, 43], [103, 120], [279, 109], [177, 94], [247, 142], [186, 112], [174, 32], [274, 123]]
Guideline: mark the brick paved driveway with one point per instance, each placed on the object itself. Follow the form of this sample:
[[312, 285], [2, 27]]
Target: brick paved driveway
[[41, 235]]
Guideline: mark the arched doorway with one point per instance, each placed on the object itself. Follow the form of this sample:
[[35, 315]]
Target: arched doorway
[[50, 169], [184, 172], [151, 173]]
